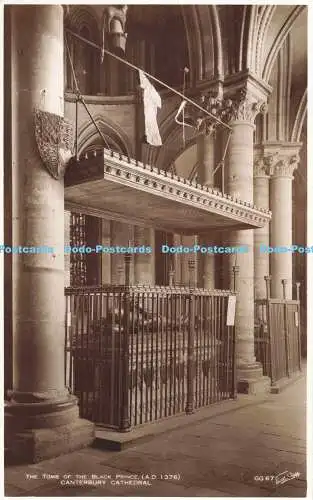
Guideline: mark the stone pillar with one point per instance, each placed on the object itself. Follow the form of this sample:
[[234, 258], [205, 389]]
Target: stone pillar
[[206, 165], [261, 235], [41, 417], [144, 262], [205, 158], [240, 184], [281, 224]]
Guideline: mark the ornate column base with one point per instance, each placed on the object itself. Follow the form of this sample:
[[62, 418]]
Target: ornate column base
[[36, 431], [250, 379]]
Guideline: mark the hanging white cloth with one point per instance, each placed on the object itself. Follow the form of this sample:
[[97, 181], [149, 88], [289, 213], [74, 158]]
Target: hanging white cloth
[[151, 102]]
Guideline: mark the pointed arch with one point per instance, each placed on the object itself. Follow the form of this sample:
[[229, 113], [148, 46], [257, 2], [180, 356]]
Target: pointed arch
[[80, 17], [89, 139], [300, 117], [279, 41], [258, 20], [203, 33]]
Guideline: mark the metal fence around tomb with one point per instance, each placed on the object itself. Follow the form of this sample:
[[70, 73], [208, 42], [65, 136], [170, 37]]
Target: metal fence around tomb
[[140, 354], [277, 338]]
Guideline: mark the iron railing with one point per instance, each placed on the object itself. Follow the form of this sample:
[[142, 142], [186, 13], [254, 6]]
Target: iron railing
[[140, 354], [277, 337]]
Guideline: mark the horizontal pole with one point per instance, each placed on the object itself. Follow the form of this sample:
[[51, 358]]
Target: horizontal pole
[[133, 66]]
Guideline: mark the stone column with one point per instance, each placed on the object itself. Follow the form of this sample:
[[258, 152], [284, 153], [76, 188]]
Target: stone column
[[42, 417], [281, 224], [206, 164], [144, 262], [240, 184], [262, 168], [205, 158]]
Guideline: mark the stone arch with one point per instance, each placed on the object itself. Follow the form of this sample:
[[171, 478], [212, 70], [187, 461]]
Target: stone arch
[[258, 20], [205, 52], [174, 147], [300, 117], [279, 41], [80, 17], [89, 138]]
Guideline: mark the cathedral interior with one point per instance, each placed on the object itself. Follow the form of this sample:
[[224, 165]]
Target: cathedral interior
[[230, 173]]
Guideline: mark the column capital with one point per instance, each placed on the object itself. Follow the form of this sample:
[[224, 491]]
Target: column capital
[[242, 107], [214, 103], [286, 166], [281, 158], [246, 107], [263, 166]]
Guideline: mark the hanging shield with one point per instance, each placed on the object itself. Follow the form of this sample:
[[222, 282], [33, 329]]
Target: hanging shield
[[55, 141]]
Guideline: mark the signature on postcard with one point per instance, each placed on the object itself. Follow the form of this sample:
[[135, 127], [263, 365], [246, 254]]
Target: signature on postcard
[[285, 476], [278, 479]]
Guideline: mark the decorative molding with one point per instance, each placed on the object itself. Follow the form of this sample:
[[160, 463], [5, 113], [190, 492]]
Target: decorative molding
[[102, 100], [128, 172]]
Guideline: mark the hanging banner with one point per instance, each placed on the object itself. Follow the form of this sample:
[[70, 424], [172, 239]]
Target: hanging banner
[[151, 102]]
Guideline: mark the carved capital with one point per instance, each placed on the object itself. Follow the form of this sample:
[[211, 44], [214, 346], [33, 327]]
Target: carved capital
[[263, 167], [246, 108], [286, 166], [241, 107], [260, 169]]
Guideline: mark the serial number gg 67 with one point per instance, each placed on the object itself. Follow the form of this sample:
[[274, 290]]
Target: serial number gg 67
[[264, 478]]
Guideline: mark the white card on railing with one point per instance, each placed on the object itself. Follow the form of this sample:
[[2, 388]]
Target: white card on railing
[[69, 318], [231, 309]]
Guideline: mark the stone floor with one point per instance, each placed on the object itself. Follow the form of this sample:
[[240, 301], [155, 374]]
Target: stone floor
[[257, 451]]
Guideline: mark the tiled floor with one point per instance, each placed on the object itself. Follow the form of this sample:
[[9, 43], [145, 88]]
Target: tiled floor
[[249, 452]]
